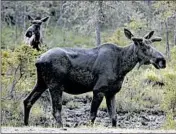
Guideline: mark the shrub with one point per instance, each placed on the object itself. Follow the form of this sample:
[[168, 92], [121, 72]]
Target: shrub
[[18, 69], [170, 123], [151, 75], [117, 37]]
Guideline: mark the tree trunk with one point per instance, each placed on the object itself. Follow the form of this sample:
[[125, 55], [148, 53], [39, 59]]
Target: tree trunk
[[24, 19], [175, 37], [16, 23], [14, 82], [98, 34], [98, 24], [148, 2], [167, 40], [59, 21], [161, 31]]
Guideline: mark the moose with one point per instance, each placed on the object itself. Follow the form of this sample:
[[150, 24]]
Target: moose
[[100, 69], [33, 35]]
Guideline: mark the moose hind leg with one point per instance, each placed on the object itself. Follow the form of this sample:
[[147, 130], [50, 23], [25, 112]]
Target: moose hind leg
[[97, 99], [56, 97], [37, 91], [110, 101]]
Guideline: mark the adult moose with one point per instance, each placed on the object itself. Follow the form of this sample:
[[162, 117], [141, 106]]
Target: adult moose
[[101, 69], [33, 35]]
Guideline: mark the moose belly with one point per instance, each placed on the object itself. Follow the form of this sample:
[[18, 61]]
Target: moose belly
[[79, 81], [75, 88]]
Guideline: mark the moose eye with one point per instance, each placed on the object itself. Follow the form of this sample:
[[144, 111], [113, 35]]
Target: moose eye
[[145, 48]]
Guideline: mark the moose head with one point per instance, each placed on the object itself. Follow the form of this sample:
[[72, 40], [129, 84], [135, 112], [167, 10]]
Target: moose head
[[33, 35], [145, 52]]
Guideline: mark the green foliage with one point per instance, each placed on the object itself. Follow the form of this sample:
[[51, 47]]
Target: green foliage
[[170, 123], [165, 8], [169, 102], [136, 95], [11, 113], [6, 37], [18, 69], [170, 93], [173, 55], [117, 37], [151, 75], [136, 24], [37, 111], [103, 105], [67, 38], [18, 65]]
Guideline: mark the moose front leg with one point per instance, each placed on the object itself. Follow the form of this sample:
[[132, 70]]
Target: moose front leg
[[56, 97], [97, 99], [110, 101]]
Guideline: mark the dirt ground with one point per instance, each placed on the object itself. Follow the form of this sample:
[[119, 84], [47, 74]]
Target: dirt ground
[[77, 115], [75, 120], [79, 130]]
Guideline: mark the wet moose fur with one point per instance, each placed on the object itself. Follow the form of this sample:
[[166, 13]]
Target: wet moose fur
[[101, 69]]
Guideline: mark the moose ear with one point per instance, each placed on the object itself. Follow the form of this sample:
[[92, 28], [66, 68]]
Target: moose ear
[[44, 19], [30, 18], [149, 35], [156, 39], [128, 34], [137, 39]]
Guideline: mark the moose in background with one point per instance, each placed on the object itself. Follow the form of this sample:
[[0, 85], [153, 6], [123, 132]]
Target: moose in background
[[33, 35]]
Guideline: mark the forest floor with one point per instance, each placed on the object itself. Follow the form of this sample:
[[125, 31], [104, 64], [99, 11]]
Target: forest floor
[[79, 130], [75, 116], [75, 113]]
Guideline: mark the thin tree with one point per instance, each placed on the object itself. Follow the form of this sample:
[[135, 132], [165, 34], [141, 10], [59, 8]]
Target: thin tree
[[98, 23], [167, 39]]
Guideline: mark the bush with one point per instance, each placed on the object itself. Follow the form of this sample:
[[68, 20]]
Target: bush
[[151, 75], [169, 102], [18, 69], [170, 123], [118, 38]]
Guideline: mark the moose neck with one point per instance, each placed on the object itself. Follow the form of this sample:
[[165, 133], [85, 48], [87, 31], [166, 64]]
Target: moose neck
[[37, 33], [129, 59]]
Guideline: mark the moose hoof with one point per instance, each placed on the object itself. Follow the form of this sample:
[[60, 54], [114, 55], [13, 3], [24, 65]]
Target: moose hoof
[[59, 125], [114, 123], [26, 123], [90, 123]]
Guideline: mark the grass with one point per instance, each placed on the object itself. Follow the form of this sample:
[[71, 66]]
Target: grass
[[170, 123], [66, 38], [103, 105], [151, 75]]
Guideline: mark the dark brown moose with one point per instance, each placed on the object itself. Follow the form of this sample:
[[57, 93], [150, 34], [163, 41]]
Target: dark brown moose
[[101, 69]]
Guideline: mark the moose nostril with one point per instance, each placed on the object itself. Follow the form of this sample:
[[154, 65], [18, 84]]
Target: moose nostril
[[162, 63]]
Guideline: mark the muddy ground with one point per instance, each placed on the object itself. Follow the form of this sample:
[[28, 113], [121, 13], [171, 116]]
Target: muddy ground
[[78, 130], [75, 113]]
